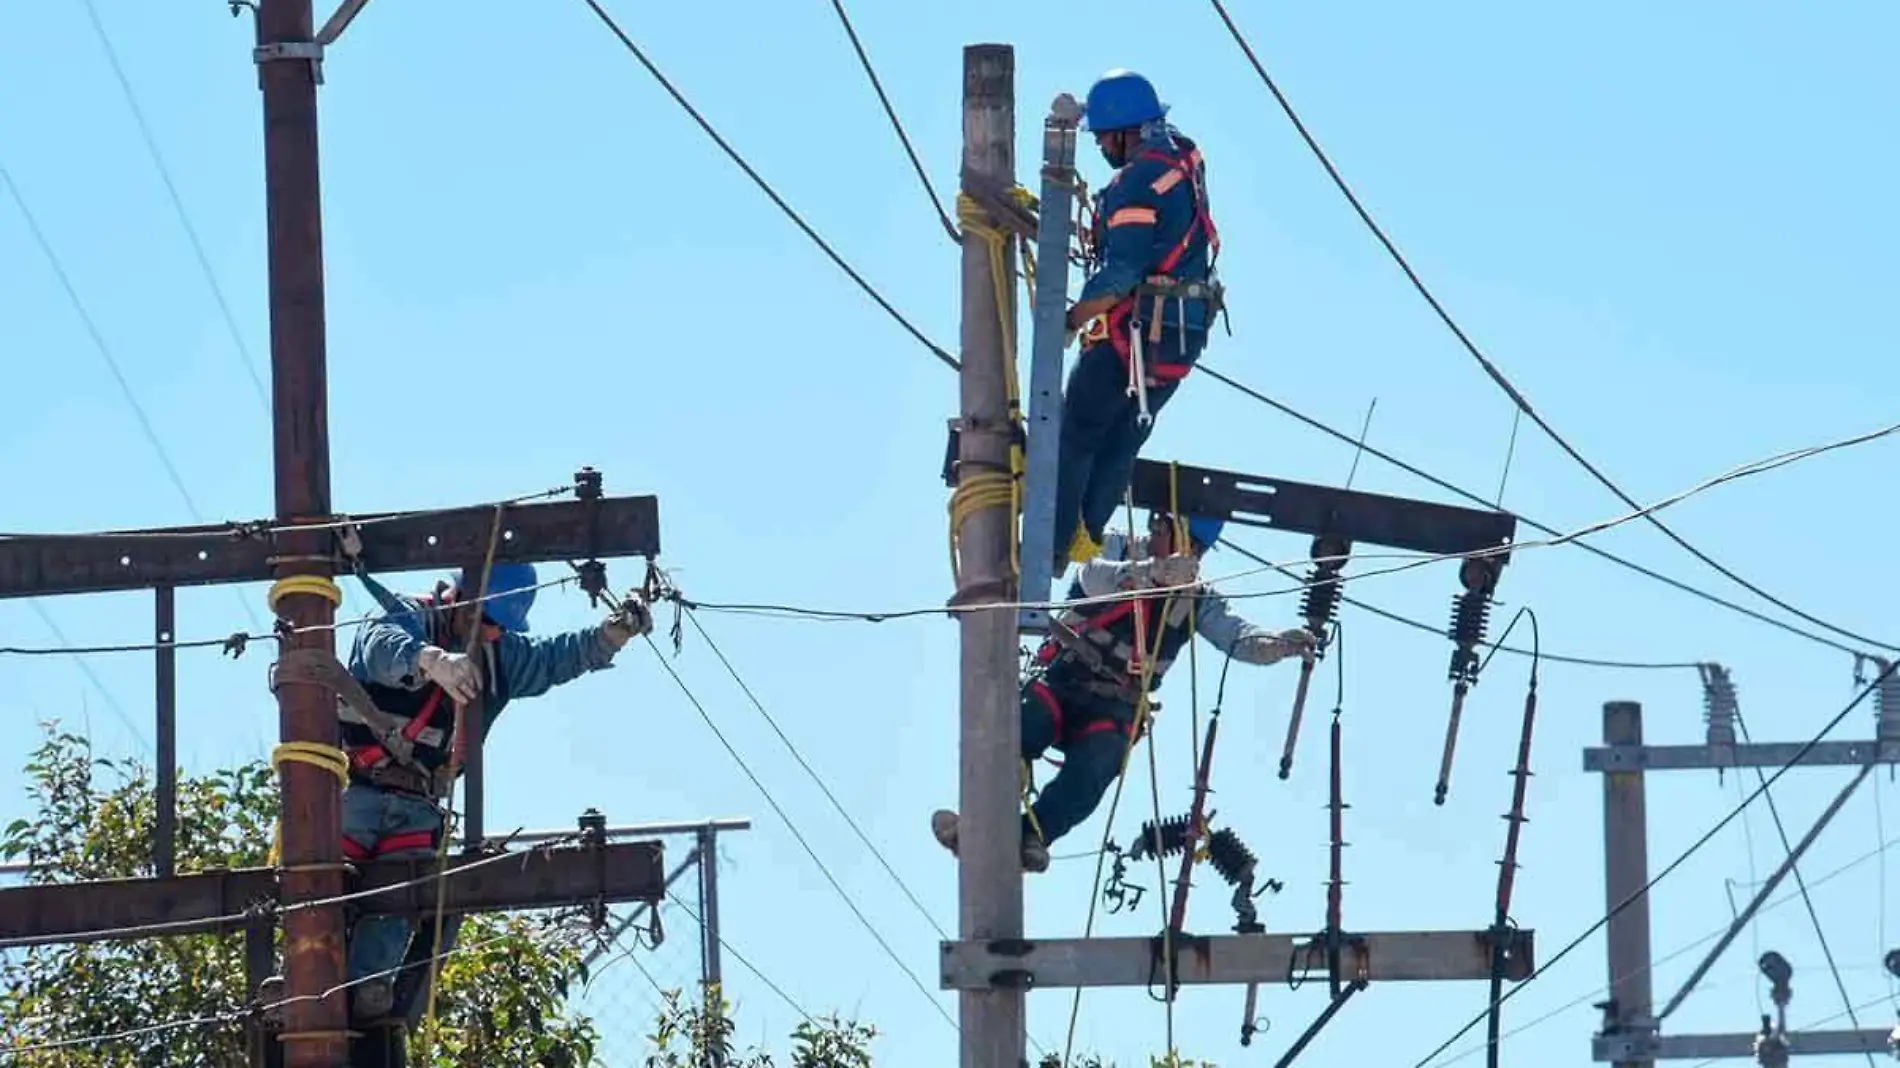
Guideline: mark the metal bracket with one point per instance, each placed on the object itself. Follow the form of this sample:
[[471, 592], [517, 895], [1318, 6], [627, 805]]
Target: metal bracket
[[293, 51]]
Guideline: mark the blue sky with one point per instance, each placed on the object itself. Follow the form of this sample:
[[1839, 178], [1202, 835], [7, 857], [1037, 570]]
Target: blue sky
[[1656, 219]]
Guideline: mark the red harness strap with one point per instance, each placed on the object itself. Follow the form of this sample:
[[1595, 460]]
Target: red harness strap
[[370, 755], [1118, 316]]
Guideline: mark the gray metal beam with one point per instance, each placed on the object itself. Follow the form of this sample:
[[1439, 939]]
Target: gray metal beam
[[1757, 755], [1400, 956], [1625, 1048]]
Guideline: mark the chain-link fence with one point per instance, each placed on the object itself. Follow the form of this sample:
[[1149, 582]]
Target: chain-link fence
[[646, 952]]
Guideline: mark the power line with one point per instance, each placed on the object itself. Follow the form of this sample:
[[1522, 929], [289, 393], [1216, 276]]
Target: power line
[[797, 219], [749, 966], [1680, 951], [1681, 859], [797, 834], [1581, 661], [897, 125], [951, 361], [178, 205], [1418, 472], [1801, 883], [112, 361], [816, 778], [1490, 369]]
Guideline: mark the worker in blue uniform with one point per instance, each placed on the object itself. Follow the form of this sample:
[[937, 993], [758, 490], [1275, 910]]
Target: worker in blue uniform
[[411, 664], [1083, 693], [1146, 307]]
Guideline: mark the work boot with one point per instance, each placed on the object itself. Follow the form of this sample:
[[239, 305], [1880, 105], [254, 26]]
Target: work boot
[[944, 825]]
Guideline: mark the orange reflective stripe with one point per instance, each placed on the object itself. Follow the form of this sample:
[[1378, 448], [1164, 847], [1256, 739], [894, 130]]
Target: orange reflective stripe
[[1167, 181], [1132, 217]]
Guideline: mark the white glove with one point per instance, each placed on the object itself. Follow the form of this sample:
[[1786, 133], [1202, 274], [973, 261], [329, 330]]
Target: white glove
[[1181, 569], [631, 620], [1273, 648], [454, 672]]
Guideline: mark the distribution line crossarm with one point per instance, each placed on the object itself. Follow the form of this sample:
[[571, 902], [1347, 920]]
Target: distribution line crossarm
[[1630, 869]]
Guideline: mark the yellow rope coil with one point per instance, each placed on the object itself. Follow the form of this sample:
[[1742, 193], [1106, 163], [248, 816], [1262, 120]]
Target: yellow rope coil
[[317, 584], [980, 490], [316, 754]]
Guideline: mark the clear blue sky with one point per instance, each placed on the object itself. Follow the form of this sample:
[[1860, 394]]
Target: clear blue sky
[[1662, 222]]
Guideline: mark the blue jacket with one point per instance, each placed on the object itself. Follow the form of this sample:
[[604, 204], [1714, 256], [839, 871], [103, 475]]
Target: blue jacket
[[1140, 216], [385, 649], [1213, 618]]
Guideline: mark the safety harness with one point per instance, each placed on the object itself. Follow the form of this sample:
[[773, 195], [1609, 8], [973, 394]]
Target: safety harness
[[401, 739], [1118, 326], [1102, 642]]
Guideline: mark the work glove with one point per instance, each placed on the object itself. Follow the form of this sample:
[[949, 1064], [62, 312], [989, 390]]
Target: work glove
[[631, 620], [1273, 648], [1180, 569], [454, 672]]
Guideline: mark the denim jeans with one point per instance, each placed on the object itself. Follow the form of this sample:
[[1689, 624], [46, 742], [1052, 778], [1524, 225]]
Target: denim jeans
[[388, 825], [1101, 438], [1092, 732]]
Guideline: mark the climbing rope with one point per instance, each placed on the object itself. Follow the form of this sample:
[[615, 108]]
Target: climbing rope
[[1134, 735], [457, 747], [982, 490]]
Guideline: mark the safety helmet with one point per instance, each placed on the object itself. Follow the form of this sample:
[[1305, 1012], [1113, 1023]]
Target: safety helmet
[[1205, 529], [1121, 100], [510, 593], [1202, 529]]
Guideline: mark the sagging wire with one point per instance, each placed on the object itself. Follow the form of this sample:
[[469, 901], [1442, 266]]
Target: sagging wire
[[1654, 880]]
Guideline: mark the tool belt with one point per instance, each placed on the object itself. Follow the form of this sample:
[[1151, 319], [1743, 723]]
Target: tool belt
[[408, 780]]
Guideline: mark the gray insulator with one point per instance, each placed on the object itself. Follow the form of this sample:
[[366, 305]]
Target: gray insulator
[[1719, 704], [1887, 704]]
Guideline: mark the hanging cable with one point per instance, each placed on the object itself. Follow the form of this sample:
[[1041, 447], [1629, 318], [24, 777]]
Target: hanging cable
[[1682, 858], [1484, 362], [897, 125], [797, 220], [1501, 926]]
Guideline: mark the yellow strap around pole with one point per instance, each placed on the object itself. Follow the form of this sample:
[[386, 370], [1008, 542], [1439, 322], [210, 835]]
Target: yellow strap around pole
[[316, 754], [320, 585]]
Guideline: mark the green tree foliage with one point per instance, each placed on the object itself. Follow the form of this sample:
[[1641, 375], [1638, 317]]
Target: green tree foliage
[[501, 999]]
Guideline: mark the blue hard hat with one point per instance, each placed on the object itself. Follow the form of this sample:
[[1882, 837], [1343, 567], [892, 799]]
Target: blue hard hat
[[1120, 100], [510, 593], [1205, 529]]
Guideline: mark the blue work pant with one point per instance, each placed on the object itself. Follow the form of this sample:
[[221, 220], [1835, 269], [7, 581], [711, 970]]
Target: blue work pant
[[388, 825], [1101, 437], [1092, 732]]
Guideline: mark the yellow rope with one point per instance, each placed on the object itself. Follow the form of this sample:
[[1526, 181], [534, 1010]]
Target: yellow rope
[[982, 490], [316, 754], [320, 585], [1121, 777], [455, 767]]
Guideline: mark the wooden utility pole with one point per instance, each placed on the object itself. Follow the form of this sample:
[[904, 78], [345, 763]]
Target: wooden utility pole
[[288, 58], [989, 868]]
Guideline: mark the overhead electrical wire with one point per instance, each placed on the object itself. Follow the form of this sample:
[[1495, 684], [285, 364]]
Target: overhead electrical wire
[[766, 187], [897, 125], [178, 206], [1484, 362], [1656, 879], [824, 870], [946, 358], [876, 853], [741, 958], [1581, 661], [1686, 948], [1801, 883], [1418, 472]]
